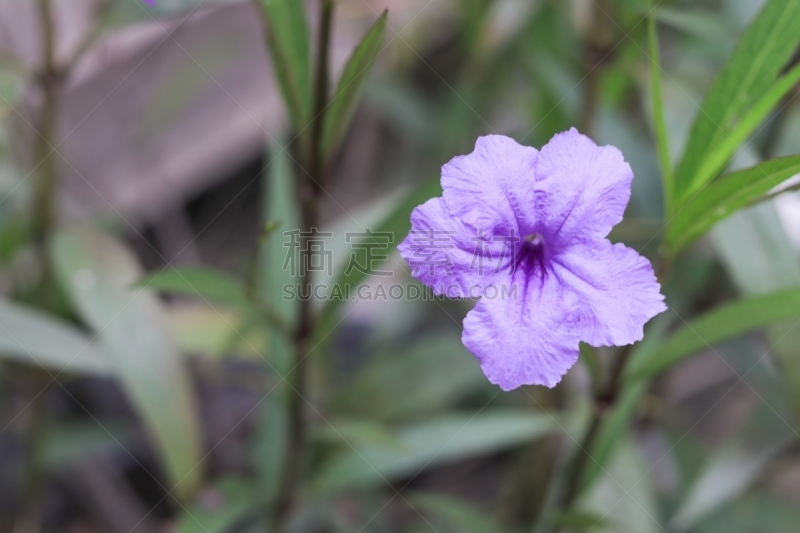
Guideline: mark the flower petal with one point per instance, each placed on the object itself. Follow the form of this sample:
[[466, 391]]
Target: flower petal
[[445, 254], [582, 188], [530, 339], [618, 291], [493, 187]]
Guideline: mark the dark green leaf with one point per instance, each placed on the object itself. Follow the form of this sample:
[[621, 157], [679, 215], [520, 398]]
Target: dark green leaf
[[724, 197], [288, 42], [197, 281], [724, 322], [98, 273], [751, 71], [344, 100]]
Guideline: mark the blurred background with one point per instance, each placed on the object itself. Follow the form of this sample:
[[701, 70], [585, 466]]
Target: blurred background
[[158, 126]]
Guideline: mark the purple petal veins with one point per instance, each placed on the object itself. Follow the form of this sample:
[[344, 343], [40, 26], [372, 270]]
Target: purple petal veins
[[525, 231]]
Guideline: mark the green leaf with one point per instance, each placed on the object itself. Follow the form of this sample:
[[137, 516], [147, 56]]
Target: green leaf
[[288, 42], [97, 273], [197, 281], [431, 443], [35, 338], [398, 223], [725, 322], [716, 160], [724, 197], [220, 508], [761, 53], [453, 515], [659, 124], [344, 101]]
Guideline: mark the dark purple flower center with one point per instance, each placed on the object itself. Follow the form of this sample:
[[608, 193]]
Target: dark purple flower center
[[531, 254]]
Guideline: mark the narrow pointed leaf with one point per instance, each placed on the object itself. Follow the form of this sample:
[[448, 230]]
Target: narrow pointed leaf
[[716, 160], [344, 100], [288, 43], [723, 323], [37, 339], [762, 52], [198, 282], [433, 442], [98, 273], [724, 197], [659, 124]]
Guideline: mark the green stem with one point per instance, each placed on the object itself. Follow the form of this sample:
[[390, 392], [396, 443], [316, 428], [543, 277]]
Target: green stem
[[310, 193]]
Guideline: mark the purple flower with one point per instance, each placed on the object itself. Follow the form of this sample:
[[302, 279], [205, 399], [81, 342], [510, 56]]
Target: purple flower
[[532, 225]]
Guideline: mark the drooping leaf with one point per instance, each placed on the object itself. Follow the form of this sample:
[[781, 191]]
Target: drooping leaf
[[750, 72], [288, 43], [724, 197], [98, 273], [199, 282], [725, 322], [433, 442], [344, 100], [35, 338]]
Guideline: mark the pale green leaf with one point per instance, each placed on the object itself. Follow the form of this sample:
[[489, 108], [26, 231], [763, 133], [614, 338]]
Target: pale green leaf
[[98, 273], [40, 340]]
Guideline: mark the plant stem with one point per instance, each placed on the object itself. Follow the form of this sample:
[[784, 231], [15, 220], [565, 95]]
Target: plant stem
[[605, 397], [47, 82], [310, 192]]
